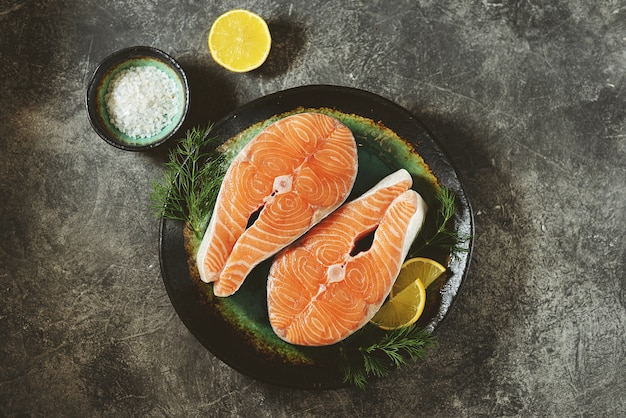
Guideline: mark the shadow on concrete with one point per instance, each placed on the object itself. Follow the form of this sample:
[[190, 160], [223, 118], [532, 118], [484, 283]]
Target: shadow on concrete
[[475, 333], [288, 38]]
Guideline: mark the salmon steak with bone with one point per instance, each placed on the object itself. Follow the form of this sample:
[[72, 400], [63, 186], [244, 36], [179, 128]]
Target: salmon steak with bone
[[322, 288], [288, 178]]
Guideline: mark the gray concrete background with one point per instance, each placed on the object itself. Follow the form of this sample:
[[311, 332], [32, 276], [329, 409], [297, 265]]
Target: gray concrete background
[[527, 97]]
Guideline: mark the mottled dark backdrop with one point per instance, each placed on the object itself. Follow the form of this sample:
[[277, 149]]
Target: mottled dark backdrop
[[527, 97]]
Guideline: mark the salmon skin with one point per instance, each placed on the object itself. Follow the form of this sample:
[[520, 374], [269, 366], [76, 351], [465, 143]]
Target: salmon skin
[[284, 181], [319, 291]]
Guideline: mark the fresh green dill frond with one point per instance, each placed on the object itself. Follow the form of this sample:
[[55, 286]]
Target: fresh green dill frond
[[378, 359], [438, 233], [192, 179]]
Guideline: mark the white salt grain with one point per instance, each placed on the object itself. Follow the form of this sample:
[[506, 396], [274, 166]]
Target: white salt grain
[[141, 101]]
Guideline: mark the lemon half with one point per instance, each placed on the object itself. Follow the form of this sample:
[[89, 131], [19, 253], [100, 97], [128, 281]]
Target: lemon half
[[240, 40]]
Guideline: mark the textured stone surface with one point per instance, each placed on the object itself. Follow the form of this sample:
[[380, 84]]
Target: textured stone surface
[[529, 100]]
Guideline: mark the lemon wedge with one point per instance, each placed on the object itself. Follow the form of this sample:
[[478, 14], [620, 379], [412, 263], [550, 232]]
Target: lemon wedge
[[426, 269], [407, 298]]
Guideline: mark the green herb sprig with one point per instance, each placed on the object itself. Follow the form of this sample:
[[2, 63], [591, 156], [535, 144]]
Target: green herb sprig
[[439, 233], [394, 349], [191, 182]]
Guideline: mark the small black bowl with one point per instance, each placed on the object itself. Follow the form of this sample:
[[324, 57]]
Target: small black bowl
[[136, 56]]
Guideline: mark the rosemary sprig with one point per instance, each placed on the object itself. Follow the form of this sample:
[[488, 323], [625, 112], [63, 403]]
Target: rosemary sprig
[[189, 187], [439, 232], [394, 349]]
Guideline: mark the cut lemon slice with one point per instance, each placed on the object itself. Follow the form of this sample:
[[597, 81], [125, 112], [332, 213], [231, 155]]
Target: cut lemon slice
[[424, 268], [404, 306], [239, 40], [408, 295]]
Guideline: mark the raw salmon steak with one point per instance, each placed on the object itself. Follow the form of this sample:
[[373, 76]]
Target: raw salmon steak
[[284, 181], [324, 287]]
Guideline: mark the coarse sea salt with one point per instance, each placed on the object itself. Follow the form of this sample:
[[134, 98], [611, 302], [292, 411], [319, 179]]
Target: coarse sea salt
[[141, 101]]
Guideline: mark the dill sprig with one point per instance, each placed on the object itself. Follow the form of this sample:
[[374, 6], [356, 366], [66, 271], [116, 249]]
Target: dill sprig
[[394, 349], [438, 231], [191, 182]]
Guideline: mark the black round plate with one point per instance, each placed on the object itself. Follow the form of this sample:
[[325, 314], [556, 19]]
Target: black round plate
[[234, 346]]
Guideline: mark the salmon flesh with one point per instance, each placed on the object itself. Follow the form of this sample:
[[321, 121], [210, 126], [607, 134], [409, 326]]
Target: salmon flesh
[[284, 181], [323, 288]]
